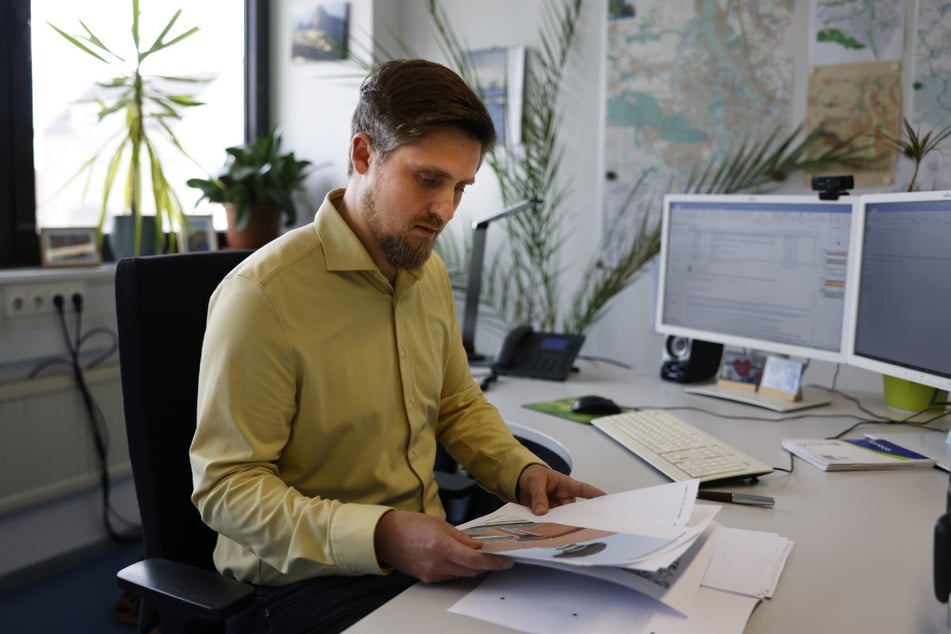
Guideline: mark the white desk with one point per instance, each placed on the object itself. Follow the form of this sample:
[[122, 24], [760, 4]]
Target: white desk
[[863, 540]]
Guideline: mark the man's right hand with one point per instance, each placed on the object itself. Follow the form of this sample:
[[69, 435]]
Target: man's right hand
[[430, 549]]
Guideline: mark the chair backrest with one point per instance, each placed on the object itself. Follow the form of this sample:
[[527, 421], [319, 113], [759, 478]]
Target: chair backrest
[[161, 309]]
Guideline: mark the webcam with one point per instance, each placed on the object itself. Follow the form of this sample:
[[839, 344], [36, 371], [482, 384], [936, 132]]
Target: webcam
[[831, 187]]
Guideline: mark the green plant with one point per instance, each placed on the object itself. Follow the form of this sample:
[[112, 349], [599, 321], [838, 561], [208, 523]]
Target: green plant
[[147, 107], [256, 174], [917, 147], [523, 280]]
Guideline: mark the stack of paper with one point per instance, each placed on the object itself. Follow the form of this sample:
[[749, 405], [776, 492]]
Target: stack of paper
[[644, 560], [851, 454]]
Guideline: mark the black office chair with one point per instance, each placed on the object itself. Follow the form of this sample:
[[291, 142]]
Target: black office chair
[[161, 306]]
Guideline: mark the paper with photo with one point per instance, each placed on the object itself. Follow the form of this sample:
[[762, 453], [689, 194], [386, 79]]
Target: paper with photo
[[591, 540], [675, 586], [549, 541], [658, 511]]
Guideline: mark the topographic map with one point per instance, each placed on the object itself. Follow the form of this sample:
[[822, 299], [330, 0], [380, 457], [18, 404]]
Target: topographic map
[[687, 79], [931, 87], [932, 72], [862, 102], [855, 82], [852, 31]]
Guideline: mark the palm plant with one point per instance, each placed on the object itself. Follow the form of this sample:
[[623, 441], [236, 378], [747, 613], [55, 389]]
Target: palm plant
[[523, 280], [147, 108], [916, 147]]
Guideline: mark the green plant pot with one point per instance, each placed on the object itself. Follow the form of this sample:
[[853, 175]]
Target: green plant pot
[[122, 238], [910, 396]]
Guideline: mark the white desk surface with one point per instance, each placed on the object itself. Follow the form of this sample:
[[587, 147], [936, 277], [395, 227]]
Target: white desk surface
[[862, 560]]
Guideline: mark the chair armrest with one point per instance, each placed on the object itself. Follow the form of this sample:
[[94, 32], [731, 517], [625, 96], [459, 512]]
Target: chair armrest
[[187, 589], [454, 485]]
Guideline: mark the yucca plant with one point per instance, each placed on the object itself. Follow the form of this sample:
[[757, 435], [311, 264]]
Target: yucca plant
[[146, 108], [916, 147]]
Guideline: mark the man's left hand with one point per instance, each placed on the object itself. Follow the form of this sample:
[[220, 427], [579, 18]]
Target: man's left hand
[[541, 488]]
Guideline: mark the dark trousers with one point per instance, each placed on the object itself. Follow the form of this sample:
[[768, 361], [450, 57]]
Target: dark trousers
[[322, 604]]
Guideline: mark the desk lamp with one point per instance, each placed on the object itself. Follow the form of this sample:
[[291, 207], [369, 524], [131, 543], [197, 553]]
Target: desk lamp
[[474, 285]]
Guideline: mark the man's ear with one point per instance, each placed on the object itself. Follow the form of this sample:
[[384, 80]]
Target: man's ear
[[361, 150]]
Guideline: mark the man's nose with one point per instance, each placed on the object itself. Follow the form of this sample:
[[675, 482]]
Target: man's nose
[[444, 206]]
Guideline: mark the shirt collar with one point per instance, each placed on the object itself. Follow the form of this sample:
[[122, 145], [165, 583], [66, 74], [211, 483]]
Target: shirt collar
[[342, 248]]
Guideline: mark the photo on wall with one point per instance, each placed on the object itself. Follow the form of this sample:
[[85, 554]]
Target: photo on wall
[[501, 77], [320, 32]]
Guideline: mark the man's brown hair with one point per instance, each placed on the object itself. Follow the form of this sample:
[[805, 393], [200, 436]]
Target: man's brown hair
[[403, 100]]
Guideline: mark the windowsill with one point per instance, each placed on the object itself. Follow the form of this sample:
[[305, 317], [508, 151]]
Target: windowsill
[[38, 274]]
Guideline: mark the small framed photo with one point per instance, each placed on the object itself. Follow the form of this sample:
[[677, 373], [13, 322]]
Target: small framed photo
[[69, 246], [198, 234], [782, 378], [741, 370]]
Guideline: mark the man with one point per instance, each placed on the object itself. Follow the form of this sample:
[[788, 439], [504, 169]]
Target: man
[[333, 363]]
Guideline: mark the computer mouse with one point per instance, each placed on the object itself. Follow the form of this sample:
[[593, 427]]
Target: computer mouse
[[593, 404]]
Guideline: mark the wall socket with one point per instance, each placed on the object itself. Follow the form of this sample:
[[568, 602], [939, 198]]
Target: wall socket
[[36, 300]]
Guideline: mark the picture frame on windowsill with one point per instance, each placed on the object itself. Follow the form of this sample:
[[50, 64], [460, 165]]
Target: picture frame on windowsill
[[69, 246], [198, 235]]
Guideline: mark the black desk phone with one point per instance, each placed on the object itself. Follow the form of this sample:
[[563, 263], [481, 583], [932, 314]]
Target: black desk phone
[[538, 355]]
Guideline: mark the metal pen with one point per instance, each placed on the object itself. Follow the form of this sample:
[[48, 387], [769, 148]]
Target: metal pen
[[736, 498]]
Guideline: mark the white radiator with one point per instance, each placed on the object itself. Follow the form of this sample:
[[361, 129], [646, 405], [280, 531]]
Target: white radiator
[[46, 440]]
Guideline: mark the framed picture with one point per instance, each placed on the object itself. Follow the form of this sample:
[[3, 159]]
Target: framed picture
[[198, 234], [320, 32], [69, 246]]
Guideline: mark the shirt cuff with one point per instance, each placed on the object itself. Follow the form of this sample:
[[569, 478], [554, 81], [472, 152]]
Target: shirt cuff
[[351, 538]]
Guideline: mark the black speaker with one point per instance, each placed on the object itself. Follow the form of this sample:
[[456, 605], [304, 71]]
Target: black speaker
[[690, 360]]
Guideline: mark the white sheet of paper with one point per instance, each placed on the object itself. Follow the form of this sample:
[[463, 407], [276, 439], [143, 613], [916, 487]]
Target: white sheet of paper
[[543, 600], [747, 562], [658, 511]]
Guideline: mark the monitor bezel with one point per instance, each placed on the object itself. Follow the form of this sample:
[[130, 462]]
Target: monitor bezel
[[856, 249], [735, 341]]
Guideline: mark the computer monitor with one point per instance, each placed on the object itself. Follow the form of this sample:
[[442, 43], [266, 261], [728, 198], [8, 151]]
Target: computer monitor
[[899, 287], [760, 272]]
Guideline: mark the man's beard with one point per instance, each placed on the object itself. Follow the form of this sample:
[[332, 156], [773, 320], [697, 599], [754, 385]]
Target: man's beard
[[398, 249]]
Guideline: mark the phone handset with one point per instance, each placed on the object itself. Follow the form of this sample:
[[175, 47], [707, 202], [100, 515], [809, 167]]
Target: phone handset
[[511, 346]]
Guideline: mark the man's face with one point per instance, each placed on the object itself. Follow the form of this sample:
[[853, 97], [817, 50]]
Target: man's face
[[414, 192]]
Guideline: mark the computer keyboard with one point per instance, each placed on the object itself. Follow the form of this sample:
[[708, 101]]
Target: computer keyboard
[[677, 448]]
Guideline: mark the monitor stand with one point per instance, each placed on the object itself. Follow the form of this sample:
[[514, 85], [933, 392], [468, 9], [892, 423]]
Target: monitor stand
[[811, 397]]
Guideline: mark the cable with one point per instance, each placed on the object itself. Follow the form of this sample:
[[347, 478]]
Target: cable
[[620, 364], [98, 427]]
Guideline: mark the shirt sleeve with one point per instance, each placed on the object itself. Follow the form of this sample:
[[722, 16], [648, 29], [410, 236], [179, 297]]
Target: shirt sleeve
[[246, 406]]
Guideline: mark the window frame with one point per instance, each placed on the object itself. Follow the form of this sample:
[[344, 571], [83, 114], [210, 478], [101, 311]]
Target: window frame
[[19, 241]]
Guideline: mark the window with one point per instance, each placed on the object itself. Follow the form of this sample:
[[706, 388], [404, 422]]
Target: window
[[38, 97]]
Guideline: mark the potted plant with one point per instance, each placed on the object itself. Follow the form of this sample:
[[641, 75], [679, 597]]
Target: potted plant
[[256, 186], [146, 105]]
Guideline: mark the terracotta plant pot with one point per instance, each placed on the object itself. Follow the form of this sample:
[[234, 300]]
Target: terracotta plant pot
[[264, 224]]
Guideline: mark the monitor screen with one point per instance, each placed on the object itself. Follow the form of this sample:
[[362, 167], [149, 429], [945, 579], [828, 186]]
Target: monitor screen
[[899, 299], [765, 273]]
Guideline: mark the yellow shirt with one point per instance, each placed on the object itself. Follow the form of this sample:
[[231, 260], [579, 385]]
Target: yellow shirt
[[322, 393]]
